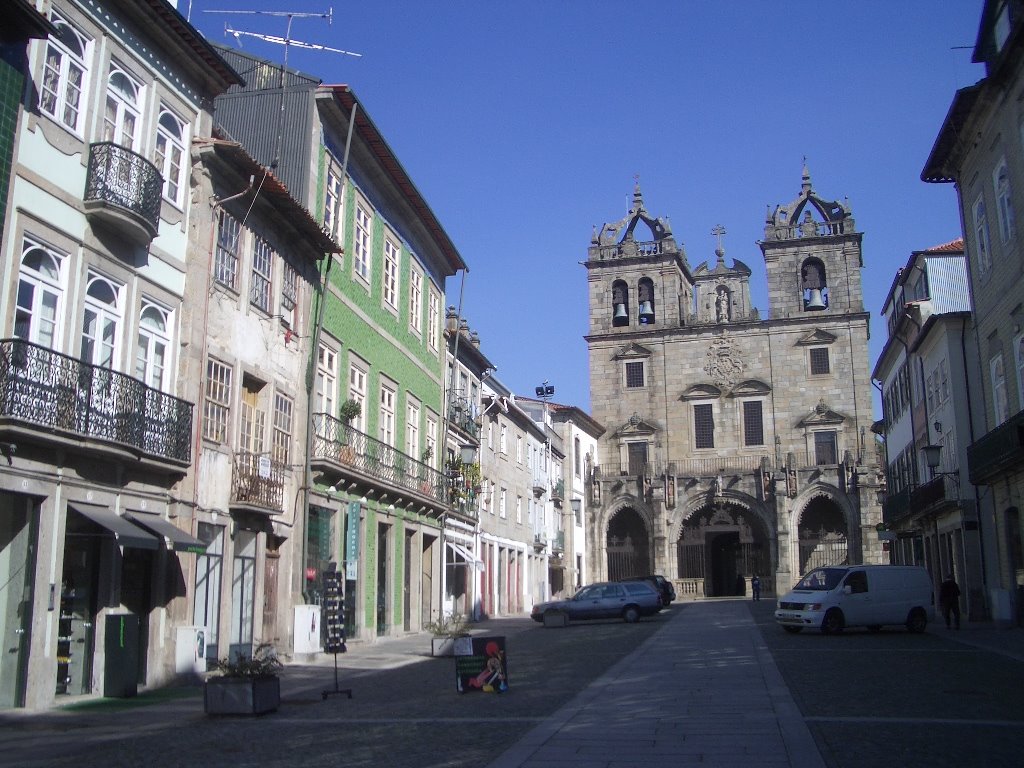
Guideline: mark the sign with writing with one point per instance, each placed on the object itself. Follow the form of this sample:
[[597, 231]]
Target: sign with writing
[[481, 664], [352, 541], [263, 464]]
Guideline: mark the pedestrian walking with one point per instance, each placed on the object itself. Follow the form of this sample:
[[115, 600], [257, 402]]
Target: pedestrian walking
[[755, 586], [949, 599]]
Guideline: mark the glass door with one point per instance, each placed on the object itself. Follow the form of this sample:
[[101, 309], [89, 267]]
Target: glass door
[[17, 564]]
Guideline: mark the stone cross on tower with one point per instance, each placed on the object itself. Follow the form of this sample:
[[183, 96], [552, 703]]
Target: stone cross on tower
[[718, 231]]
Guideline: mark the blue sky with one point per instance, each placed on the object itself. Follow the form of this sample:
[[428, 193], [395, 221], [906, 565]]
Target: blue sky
[[524, 123]]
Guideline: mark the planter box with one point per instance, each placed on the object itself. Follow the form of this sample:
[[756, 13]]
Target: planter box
[[241, 695]]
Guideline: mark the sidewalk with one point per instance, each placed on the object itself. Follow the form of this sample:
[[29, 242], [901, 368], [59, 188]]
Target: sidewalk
[[704, 690]]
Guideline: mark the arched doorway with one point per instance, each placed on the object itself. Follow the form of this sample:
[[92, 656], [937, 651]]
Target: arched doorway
[[822, 534], [627, 546], [720, 544]]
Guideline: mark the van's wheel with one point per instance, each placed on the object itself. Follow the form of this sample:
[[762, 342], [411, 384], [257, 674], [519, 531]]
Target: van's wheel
[[792, 630], [631, 614], [833, 622], [917, 621]]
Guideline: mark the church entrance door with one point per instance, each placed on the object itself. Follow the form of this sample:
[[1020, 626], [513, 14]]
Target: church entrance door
[[627, 545]]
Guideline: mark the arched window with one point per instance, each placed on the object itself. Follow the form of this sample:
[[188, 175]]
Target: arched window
[[40, 295], [100, 322], [645, 295], [151, 353], [814, 285], [169, 154], [121, 110], [620, 304]]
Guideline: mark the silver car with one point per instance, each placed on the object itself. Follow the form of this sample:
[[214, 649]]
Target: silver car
[[605, 600]]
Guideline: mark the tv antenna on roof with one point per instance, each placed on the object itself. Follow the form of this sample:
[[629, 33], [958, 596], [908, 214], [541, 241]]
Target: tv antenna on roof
[[287, 42]]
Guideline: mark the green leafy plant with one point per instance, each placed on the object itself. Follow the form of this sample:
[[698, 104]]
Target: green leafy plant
[[262, 663], [349, 410], [448, 625]]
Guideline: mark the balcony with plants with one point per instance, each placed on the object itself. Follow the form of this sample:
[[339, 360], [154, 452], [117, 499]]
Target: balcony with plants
[[257, 483], [53, 399], [122, 189]]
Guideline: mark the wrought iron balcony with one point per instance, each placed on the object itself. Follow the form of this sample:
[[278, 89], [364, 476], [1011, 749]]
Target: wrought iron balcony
[[942, 488], [896, 507], [48, 393], [558, 490], [376, 467], [997, 451], [257, 482], [123, 189]]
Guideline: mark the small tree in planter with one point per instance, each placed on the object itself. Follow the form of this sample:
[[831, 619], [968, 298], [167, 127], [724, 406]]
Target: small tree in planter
[[245, 686], [348, 410], [444, 630]]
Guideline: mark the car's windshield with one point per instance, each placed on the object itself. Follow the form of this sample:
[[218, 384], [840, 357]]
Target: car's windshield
[[822, 579]]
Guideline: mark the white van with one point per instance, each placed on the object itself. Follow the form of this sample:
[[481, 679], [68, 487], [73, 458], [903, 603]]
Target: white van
[[833, 597]]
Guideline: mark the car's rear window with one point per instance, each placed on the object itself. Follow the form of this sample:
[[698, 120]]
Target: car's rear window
[[638, 588]]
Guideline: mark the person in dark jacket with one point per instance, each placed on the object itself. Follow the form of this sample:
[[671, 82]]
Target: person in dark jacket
[[949, 599]]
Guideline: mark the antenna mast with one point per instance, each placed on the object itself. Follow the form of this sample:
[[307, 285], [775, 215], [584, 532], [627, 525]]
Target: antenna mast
[[287, 42]]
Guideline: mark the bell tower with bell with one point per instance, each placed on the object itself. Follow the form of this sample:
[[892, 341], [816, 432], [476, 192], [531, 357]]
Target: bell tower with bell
[[812, 255]]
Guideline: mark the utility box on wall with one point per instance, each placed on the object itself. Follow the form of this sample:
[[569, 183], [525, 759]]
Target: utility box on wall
[[190, 650], [307, 629]]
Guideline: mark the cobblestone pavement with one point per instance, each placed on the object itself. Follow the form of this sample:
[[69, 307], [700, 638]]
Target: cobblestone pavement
[[945, 698]]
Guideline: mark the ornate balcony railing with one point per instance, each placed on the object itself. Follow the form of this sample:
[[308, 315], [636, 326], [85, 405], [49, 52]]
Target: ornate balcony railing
[[896, 506], [805, 229], [630, 248], [997, 450], [336, 441], [124, 187], [45, 388], [258, 481], [937, 490]]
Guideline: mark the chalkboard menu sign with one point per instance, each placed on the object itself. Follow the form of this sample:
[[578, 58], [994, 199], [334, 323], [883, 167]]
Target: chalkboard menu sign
[[334, 618]]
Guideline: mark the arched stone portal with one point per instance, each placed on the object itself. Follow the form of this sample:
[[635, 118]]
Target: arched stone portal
[[720, 544], [823, 535], [628, 546]]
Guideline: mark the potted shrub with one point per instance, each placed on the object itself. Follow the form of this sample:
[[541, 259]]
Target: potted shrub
[[245, 686], [348, 410], [444, 631]]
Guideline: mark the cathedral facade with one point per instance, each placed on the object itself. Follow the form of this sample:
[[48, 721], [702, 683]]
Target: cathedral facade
[[736, 445]]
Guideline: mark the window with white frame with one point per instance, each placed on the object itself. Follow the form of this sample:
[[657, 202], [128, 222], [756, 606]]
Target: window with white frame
[[502, 513], [519, 510], [65, 75], [121, 109], [1000, 403], [281, 442], [225, 261], [490, 435], [289, 295], [415, 300], [216, 401], [433, 319], [981, 242], [519, 449], [39, 309], [262, 270], [390, 275], [431, 448], [357, 392], [153, 345], [412, 426], [386, 418], [503, 439], [169, 154], [332, 205], [326, 380], [101, 322], [361, 247], [1004, 201]]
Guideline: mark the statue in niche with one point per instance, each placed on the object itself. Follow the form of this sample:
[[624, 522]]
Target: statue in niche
[[722, 305]]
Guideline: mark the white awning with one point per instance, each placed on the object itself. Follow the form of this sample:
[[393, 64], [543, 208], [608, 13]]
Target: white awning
[[469, 558]]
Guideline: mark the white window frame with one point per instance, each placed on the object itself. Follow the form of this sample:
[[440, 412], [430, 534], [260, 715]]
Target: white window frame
[[326, 380], [333, 197], [982, 242], [46, 289], [386, 413], [503, 439], [226, 261], [169, 154], [216, 400], [433, 319], [415, 300], [502, 513], [519, 510], [262, 275], [413, 414], [65, 57], [153, 349], [282, 427], [357, 380], [519, 449], [362, 242], [1004, 200], [390, 286], [1000, 402], [431, 438], [121, 108], [289, 296], [106, 315]]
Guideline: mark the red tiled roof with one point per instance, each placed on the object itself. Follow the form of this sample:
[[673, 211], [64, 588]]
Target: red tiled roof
[[953, 246]]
